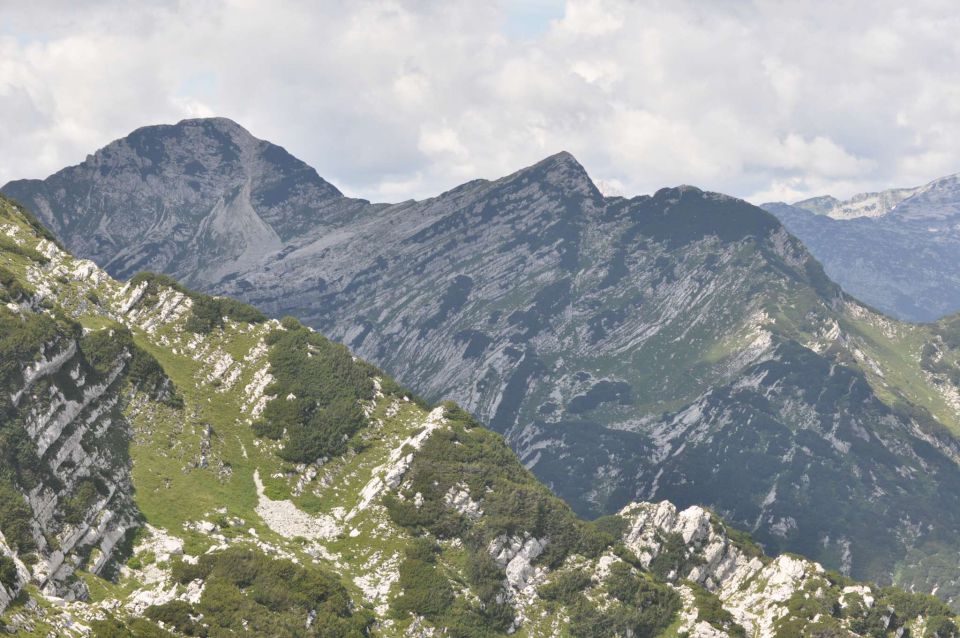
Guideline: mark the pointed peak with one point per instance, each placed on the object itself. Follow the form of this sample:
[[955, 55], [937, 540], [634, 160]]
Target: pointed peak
[[560, 170], [563, 160], [565, 157]]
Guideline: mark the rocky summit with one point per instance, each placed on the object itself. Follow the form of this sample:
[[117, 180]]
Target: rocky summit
[[681, 346], [181, 465]]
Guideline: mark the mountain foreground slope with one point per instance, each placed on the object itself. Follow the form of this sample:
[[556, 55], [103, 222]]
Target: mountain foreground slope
[[680, 346], [177, 464], [896, 250]]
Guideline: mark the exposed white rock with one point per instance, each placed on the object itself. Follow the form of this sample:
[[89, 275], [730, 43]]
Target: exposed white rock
[[389, 475], [603, 566], [863, 592], [42, 367], [515, 554], [193, 592], [256, 400], [690, 622], [130, 296], [289, 521], [753, 591], [380, 576], [143, 598], [458, 498]]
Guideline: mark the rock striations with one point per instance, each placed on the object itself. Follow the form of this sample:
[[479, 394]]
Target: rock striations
[[680, 346], [203, 517]]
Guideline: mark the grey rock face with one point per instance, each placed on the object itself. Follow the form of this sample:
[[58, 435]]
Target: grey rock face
[[203, 195], [679, 346], [72, 416], [897, 250]]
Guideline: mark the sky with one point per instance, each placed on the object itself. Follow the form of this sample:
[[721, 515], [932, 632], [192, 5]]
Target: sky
[[391, 100]]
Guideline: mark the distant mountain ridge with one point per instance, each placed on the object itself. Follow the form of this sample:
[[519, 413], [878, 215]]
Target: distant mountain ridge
[[682, 345], [934, 200], [898, 250]]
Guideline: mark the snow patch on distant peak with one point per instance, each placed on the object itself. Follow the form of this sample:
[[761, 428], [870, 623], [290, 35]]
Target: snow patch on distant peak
[[936, 199], [860, 205]]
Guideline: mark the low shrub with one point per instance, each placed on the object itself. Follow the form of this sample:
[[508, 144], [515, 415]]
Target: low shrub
[[319, 387], [565, 587], [640, 606], [710, 609], [8, 572], [422, 587], [246, 591]]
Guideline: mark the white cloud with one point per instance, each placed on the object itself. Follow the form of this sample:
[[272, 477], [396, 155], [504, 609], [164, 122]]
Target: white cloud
[[441, 141], [391, 99], [592, 18]]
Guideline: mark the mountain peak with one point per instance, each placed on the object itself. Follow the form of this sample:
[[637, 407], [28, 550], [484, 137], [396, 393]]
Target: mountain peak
[[562, 157], [217, 121], [166, 179], [933, 201], [564, 161], [821, 205], [560, 170], [221, 131]]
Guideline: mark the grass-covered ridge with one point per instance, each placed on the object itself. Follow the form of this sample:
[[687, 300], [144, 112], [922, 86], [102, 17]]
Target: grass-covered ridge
[[206, 312]]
